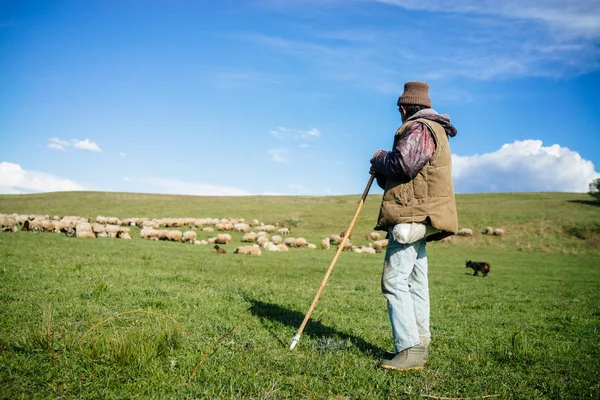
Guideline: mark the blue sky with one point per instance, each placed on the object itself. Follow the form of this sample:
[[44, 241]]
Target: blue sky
[[292, 97]]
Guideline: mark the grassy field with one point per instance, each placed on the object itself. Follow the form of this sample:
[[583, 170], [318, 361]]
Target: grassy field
[[529, 330]]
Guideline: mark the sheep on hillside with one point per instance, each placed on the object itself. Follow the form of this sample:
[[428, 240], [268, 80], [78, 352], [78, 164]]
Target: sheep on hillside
[[301, 242], [379, 245], [189, 237], [175, 235], [325, 244], [277, 239], [251, 250], [223, 238], [374, 236], [249, 237], [84, 230], [498, 232], [284, 231], [7, 224], [465, 232], [335, 239], [488, 230]]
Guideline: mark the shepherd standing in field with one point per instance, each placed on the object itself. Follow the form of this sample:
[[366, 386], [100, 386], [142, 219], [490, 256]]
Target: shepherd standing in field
[[418, 206]]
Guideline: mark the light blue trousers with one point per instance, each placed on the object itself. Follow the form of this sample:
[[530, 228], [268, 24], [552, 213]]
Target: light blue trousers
[[404, 284]]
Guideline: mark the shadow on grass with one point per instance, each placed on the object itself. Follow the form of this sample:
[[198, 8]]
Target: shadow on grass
[[276, 313], [594, 203]]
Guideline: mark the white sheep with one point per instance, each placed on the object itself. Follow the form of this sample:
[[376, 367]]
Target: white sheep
[[223, 238], [335, 239], [249, 237], [379, 245], [465, 232], [7, 224], [261, 240], [498, 232], [241, 227], [374, 236], [284, 231], [290, 242], [325, 244], [301, 242], [277, 239], [282, 247], [84, 230], [189, 237], [488, 230], [251, 250]]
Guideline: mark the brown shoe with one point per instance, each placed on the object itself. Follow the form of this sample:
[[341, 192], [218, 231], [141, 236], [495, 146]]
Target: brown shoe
[[388, 355], [408, 359]]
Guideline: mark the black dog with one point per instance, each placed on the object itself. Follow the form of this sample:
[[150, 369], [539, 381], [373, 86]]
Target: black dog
[[479, 266]]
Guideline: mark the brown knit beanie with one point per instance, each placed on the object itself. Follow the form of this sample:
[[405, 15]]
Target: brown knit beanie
[[415, 93]]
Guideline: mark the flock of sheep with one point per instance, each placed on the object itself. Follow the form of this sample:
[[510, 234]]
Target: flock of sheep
[[269, 237], [258, 235]]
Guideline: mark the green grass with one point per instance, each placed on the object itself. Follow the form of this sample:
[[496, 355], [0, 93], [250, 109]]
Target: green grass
[[529, 330]]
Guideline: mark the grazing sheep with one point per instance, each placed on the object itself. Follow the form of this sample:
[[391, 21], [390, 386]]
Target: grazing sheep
[[277, 239], [241, 227], [465, 232], [290, 242], [125, 236], [498, 232], [249, 237], [325, 244], [261, 240], [189, 237], [224, 226], [223, 238], [379, 245], [364, 249], [174, 235], [335, 239], [270, 246], [84, 230], [262, 233], [201, 242], [284, 231], [255, 223], [251, 250], [208, 229], [488, 230], [268, 228], [347, 245], [7, 224], [220, 250], [149, 233], [282, 247], [311, 246], [374, 236], [301, 242]]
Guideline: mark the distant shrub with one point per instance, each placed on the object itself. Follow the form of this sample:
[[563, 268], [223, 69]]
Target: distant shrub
[[594, 190]]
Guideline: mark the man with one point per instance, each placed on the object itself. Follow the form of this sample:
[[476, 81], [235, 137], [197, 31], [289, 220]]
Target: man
[[417, 206]]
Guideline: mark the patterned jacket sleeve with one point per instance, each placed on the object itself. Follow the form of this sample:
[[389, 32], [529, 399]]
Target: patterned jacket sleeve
[[413, 150]]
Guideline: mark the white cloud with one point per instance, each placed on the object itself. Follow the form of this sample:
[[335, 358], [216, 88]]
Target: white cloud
[[57, 144], [15, 180], [282, 131], [176, 186], [126, 179], [523, 166], [278, 155], [122, 154], [86, 144]]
